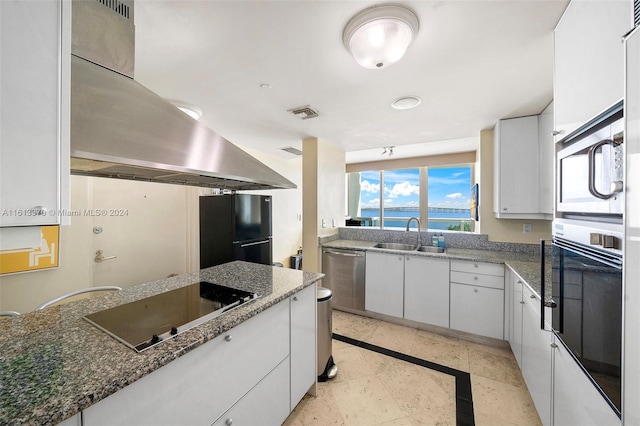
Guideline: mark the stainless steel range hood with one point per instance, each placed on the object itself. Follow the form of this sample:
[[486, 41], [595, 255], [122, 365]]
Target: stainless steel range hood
[[120, 129]]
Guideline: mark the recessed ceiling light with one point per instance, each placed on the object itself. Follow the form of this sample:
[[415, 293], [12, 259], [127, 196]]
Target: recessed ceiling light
[[406, 102], [191, 110]]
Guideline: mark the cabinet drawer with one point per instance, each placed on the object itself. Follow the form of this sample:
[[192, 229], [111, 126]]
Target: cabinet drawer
[[477, 310], [496, 269], [477, 279], [265, 404]]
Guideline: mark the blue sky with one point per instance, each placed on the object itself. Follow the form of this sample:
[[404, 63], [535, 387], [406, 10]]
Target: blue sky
[[448, 187]]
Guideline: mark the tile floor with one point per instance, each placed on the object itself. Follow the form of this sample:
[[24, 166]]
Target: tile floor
[[374, 389]]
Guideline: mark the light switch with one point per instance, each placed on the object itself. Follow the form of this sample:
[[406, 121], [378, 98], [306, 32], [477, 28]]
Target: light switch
[[333, 223]]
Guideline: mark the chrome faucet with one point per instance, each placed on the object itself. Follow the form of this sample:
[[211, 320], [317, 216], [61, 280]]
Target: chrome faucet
[[418, 222]]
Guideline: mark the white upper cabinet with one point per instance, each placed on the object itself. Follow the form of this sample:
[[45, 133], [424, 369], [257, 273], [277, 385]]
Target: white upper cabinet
[[34, 111], [518, 169], [588, 61], [547, 151]]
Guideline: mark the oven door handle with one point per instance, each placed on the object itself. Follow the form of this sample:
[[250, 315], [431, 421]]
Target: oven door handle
[[543, 304], [615, 186]]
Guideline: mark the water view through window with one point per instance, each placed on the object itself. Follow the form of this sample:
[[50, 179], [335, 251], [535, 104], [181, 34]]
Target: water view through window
[[448, 197]]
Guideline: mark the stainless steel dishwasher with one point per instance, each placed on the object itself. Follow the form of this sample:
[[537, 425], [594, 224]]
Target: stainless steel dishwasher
[[344, 270]]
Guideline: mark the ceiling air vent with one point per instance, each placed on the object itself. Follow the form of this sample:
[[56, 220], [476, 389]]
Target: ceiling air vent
[[117, 6], [292, 150], [304, 112]]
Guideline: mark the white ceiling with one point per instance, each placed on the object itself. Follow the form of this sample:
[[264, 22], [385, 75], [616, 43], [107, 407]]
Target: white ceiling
[[472, 63]]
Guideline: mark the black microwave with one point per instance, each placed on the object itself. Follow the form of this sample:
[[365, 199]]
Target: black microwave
[[590, 167]]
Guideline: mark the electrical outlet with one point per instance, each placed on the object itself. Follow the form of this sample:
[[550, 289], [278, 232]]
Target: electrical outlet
[[333, 223], [324, 223], [526, 228]]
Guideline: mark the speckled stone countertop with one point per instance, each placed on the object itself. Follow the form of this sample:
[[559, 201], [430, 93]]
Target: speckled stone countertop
[[54, 363], [526, 265]]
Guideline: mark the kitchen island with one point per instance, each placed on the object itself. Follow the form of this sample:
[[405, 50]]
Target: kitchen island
[[54, 364]]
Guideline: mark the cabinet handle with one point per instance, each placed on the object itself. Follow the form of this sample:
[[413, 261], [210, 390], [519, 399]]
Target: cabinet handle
[[553, 345], [228, 337], [504, 208], [519, 282], [475, 290], [557, 132], [533, 296], [295, 298], [475, 265], [475, 278], [228, 422], [522, 302]]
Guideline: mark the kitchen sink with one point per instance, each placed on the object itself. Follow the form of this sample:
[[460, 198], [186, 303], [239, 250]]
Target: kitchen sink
[[431, 249], [396, 246]]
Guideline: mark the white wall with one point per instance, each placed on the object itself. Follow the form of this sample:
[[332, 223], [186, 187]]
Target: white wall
[[323, 196]]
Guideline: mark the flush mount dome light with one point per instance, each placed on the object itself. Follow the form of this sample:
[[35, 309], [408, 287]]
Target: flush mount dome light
[[378, 36]]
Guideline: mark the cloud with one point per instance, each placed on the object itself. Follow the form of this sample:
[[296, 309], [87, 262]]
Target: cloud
[[366, 186], [403, 189], [455, 195]]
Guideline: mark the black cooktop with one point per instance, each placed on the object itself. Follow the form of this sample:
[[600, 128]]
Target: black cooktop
[[147, 322]]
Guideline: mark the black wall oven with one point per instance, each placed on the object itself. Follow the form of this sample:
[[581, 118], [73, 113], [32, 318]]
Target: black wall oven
[[587, 298]]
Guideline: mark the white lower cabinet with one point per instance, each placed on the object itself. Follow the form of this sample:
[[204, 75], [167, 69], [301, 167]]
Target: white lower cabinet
[[411, 287], [576, 401], [303, 343], [536, 356], [477, 298], [264, 404], [515, 316], [200, 386], [426, 290], [384, 281]]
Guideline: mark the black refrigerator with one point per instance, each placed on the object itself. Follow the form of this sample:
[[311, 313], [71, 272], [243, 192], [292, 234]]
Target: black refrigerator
[[235, 227]]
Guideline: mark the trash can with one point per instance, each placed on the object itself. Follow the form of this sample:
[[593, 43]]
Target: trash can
[[327, 369]]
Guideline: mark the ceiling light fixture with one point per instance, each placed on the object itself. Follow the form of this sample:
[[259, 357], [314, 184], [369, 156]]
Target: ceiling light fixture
[[406, 102], [379, 36], [388, 150], [191, 110]]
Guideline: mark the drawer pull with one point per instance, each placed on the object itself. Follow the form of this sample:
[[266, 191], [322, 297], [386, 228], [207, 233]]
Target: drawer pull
[[295, 298], [553, 345], [475, 265], [522, 302], [228, 337], [533, 296], [228, 422], [519, 282], [475, 277], [475, 290]]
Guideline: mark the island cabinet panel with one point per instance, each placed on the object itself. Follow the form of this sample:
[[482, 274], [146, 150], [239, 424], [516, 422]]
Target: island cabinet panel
[[303, 343], [426, 290], [264, 404], [200, 386], [384, 280]]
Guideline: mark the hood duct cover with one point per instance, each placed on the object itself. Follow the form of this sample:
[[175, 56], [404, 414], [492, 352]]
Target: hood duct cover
[[120, 129]]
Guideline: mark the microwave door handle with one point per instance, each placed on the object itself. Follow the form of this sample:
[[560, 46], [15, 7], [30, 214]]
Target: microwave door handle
[[592, 170], [542, 283]]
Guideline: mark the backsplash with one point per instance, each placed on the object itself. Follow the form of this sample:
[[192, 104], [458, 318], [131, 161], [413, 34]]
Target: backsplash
[[452, 239]]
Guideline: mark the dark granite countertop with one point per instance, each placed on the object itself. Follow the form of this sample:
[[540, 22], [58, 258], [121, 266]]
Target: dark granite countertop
[[54, 364], [526, 265]]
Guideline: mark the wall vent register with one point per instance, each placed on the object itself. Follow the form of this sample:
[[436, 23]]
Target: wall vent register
[[147, 322]]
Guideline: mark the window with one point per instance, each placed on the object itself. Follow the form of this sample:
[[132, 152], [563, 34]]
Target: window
[[449, 194], [406, 193]]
